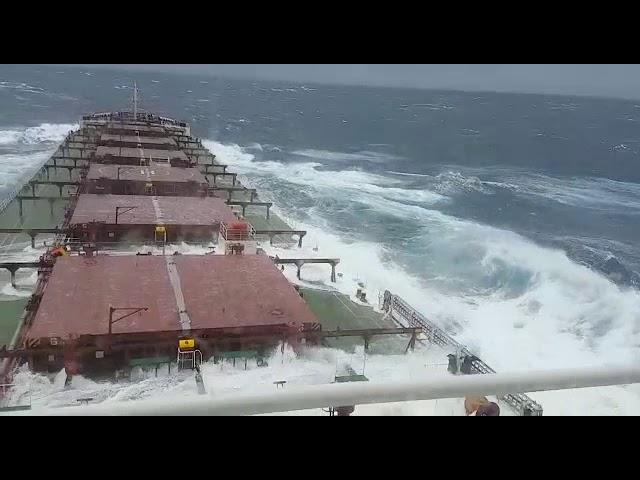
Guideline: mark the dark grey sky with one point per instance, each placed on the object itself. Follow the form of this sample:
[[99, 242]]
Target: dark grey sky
[[577, 79]]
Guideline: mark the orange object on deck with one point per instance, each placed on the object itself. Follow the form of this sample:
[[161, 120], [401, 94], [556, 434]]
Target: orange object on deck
[[58, 252], [237, 231], [239, 226]]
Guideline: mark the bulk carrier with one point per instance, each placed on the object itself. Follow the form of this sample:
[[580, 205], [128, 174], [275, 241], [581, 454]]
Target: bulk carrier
[[114, 295]]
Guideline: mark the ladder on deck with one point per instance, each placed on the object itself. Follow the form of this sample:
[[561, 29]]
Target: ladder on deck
[[191, 360]]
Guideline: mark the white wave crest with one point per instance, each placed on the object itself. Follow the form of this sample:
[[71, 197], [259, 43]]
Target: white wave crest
[[364, 155], [44, 133], [21, 87], [518, 305], [451, 182], [356, 182]]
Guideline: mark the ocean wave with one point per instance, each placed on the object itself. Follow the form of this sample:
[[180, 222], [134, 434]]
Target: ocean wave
[[25, 88], [7, 290], [30, 148], [429, 106], [314, 366], [517, 304], [584, 192], [453, 182], [331, 156], [614, 269], [15, 169], [43, 133], [25, 281], [21, 87], [503, 185], [355, 182], [562, 106], [405, 174], [595, 193], [256, 146]]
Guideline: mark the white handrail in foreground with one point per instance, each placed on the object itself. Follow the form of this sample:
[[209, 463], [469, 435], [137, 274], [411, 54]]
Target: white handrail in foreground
[[318, 396]]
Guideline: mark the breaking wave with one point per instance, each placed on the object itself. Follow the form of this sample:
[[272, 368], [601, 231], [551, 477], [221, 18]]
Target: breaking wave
[[452, 182], [364, 155], [517, 304], [44, 133]]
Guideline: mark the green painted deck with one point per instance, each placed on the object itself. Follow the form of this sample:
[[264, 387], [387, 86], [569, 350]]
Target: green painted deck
[[351, 378], [36, 214], [149, 362], [10, 314], [243, 354], [259, 222], [15, 408], [336, 311], [257, 217]]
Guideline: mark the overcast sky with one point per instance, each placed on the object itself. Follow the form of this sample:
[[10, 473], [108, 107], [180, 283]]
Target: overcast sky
[[578, 79]]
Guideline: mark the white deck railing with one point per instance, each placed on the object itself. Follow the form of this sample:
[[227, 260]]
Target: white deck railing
[[237, 234], [338, 394]]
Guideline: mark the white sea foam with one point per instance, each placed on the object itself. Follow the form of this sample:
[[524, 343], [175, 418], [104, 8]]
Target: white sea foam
[[538, 308], [363, 155], [45, 133]]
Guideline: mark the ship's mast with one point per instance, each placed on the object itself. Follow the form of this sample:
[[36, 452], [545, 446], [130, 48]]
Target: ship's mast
[[135, 101]]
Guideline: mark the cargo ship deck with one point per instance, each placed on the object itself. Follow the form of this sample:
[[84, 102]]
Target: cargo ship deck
[[114, 293], [102, 303]]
